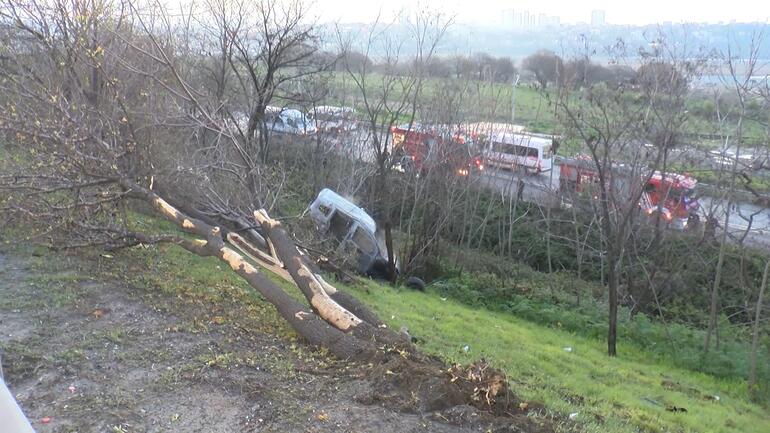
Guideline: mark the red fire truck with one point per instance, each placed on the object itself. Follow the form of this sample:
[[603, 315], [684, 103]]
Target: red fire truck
[[578, 174], [673, 195], [426, 147], [670, 194]]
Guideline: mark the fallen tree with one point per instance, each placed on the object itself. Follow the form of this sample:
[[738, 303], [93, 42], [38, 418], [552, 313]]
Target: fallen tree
[[401, 376], [88, 138]]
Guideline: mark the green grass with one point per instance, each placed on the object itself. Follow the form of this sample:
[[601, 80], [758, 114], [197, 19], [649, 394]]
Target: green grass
[[626, 394], [479, 101], [629, 393], [623, 394], [528, 296]]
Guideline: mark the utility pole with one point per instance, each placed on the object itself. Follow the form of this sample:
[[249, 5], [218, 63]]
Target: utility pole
[[513, 97]]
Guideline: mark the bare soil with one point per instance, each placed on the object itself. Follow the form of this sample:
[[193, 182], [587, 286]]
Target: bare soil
[[85, 354]]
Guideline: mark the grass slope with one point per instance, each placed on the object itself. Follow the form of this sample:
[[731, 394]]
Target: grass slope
[[630, 393], [626, 394]]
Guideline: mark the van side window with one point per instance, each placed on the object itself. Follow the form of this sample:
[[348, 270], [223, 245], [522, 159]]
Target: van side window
[[364, 242]]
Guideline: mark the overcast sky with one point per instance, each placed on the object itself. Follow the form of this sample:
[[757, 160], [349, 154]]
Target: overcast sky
[[617, 12]]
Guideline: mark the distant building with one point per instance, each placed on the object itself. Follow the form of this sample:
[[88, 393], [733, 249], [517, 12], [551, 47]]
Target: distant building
[[507, 18], [521, 19], [524, 19], [597, 18]]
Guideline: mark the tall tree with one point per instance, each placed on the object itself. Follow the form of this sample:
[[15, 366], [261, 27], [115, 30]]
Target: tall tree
[[613, 125], [546, 66]]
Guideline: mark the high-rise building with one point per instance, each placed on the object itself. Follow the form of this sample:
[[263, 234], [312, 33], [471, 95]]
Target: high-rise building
[[524, 19], [507, 18], [597, 18]]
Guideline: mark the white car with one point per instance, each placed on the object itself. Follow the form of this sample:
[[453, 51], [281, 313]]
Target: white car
[[334, 119], [289, 121], [354, 230]]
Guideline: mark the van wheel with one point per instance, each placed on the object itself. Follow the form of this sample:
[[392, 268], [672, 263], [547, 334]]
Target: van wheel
[[415, 283]]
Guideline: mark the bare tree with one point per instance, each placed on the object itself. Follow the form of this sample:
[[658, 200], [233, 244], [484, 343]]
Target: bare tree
[[546, 66], [389, 97], [613, 127], [742, 86]]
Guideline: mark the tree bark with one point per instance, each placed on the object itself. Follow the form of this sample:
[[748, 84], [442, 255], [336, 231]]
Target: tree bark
[[614, 282], [320, 294], [307, 324], [755, 333], [717, 281]]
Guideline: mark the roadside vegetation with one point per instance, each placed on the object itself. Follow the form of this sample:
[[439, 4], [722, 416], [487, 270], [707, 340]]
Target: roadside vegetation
[[155, 151], [552, 351]]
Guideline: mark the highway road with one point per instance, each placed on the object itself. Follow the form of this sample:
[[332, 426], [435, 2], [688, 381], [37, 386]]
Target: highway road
[[543, 188]]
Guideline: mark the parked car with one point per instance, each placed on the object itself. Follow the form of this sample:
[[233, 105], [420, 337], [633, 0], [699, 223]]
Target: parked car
[[334, 119], [289, 121], [353, 229], [281, 120]]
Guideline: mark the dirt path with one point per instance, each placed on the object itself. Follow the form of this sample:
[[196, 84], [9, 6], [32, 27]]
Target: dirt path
[[97, 356]]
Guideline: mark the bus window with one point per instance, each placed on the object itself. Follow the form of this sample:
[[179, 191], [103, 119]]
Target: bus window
[[531, 152], [514, 149]]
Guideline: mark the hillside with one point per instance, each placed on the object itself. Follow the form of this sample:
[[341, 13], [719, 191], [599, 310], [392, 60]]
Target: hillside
[[86, 351], [132, 329]]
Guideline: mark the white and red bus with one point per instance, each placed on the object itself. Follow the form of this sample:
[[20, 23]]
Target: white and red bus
[[531, 152]]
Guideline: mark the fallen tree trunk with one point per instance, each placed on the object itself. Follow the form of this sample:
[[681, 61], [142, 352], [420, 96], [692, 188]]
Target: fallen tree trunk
[[307, 323], [399, 375], [330, 303]]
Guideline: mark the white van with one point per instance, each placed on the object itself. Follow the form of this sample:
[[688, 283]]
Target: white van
[[353, 229], [288, 121], [532, 152], [334, 119]]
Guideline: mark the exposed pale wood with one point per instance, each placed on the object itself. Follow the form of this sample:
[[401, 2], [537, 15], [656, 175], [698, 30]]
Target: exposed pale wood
[[317, 291], [309, 325], [258, 256]]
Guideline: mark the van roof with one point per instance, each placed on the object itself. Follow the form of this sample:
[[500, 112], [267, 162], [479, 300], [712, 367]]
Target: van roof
[[329, 197], [330, 109], [489, 128], [528, 140], [288, 112]]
